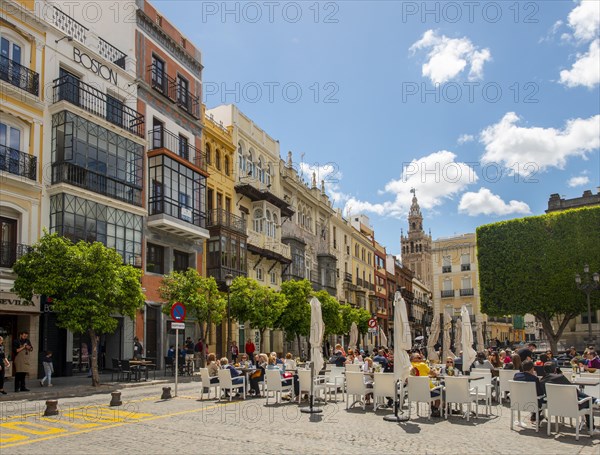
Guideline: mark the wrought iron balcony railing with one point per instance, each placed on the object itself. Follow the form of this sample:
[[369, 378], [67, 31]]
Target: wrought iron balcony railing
[[348, 277], [18, 163], [466, 291], [74, 91], [75, 175], [160, 137], [172, 89], [465, 267], [69, 26], [220, 217], [446, 268], [161, 205], [448, 293], [111, 53], [19, 76], [10, 252]]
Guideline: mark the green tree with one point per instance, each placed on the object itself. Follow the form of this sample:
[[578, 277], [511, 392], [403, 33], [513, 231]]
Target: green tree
[[88, 283], [331, 311], [200, 295], [295, 319], [258, 305], [528, 265]]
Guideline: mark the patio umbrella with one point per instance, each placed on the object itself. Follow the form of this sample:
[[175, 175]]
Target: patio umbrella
[[383, 341], [457, 337], [402, 339], [447, 352], [353, 336], [434, 334], [469, 353], [317, 329], [480, 342]]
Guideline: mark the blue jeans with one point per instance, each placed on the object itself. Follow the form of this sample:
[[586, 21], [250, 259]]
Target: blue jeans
[[48, 370]]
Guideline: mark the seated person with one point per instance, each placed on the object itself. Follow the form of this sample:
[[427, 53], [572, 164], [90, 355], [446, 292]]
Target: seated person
[[527, 353], [288, 378], [367, 367], [259, 375], [338, 359], [450, 369], [381, 359], [290, 363], [236, 376], [527, 374], [278, 361], [593, 361], [244, 362], [420, 368], [482, 362], [213, 368]]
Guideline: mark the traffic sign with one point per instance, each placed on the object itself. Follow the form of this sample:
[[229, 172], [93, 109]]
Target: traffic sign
[[372, 323], [178, 325], [373, 330], [178, 312]]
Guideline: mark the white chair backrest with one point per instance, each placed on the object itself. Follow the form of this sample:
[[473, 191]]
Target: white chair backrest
[[336, 372], [481, 383], [273, 380], [418, 389], [523, 396], [304, 379], [562, 400], [204, 376], [328, 366], [355, 383], [353, 367], [384, 385], [225, 378], [457, 389], [504, 376]]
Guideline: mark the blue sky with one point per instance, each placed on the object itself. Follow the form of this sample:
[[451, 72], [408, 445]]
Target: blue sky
[[486, 108]]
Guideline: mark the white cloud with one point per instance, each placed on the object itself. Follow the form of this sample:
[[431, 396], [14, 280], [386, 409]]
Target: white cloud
[[464, 138], [578, 181], [437, 177], [586, 70], [518, 147], [331, 175], [448, 57], [584, 19], [484, 202]]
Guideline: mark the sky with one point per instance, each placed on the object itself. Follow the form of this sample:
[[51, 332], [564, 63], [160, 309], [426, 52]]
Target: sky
[[485, 108]]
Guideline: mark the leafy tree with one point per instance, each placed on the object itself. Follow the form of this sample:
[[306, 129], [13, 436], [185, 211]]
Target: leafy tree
[[200, 295], [88, 284], [331, 311], [350, 314], [528, 265], [259, 305], [295, 319]]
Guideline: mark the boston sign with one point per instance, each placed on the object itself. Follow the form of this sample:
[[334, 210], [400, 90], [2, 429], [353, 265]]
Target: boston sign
[[94, 66]]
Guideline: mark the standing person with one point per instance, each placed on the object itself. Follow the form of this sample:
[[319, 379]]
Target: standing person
[[138, 349], [234, 351], [48, 369], [21, 349], [4, 364], [250, 348]]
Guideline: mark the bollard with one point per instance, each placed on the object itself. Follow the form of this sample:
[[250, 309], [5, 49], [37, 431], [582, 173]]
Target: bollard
[[116, 399], [51, 408], [166, 395]]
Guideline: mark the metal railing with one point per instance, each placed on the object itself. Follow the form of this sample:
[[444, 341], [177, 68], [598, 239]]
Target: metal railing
[[111, 53], [64, 172], [160, 137], [465, 267], [467, 291], [449, 293], [219, 273], [10, 252], [19, 163], [446, 268], [169, 87], [348, 277], [69, 26], [20, 76], [188, 102], [74, 91], [220, 217], [158, 205]]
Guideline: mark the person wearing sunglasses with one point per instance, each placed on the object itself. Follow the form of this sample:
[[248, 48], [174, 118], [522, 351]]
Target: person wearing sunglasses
[[449, 369]]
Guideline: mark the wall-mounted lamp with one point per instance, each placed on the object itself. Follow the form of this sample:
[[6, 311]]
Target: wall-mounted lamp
[[69, 39]]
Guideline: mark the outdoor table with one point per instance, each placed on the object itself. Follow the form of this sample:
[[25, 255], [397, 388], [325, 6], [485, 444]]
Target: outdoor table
[[143, 363], [581, 382], [247, 371]]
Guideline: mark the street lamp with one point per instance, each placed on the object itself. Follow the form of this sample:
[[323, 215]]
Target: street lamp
[[228, 283], [587, 286]]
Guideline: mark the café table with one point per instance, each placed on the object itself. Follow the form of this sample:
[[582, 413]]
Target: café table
[[582, 382], [148, 364]]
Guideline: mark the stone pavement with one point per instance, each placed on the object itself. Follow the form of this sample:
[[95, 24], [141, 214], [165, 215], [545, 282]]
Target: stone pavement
[[146, 424]]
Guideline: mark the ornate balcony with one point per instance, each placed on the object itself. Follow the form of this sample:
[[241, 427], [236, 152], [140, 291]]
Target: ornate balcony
[[111, 53], [268, 247], [15, 162], [448, 293], [348, 277], [222, 218], [467, 291], [10, 252], [86, 97], [161, 138], [446, 268], [19, 76]]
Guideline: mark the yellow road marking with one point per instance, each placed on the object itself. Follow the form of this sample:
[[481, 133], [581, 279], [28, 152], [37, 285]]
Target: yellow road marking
[[32, 428], [114, 425]]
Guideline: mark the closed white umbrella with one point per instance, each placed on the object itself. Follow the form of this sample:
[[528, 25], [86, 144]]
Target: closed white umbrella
[[353, 336], [469, 353], [480, 342], [317, 329], [434, 334], [402, 339], [447, 352], [458, 337], [383, 341]]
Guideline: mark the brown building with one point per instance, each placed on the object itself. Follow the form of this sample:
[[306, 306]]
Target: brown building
[[588, 199]]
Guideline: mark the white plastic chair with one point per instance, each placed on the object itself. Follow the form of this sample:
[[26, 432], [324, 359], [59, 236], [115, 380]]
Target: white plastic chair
[[353, 367], [484, 387], [561, 401], [523, 397], [205, 379], [504, 378], [334, 380], [355, 386], [384, 386], [304, 382], [226, 383], [419, 391], [458, 391], [274, 384]]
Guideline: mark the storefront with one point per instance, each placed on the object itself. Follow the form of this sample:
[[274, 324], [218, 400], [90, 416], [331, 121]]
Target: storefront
[[18, 315]]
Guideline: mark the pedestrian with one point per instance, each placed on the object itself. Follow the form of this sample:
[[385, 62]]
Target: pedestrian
[[48, 369], [250, 348], [21, 349], [234, 351], [138, 349], [4, 364]]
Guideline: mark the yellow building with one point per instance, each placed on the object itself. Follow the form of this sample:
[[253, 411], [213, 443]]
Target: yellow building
[[22, 45], [341, 234]]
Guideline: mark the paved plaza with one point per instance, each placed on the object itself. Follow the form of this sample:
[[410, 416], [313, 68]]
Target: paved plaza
[[146, 424]]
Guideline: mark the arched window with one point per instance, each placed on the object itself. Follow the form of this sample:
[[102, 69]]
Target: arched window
[[275, 224], [241, 160], [227, 165], [257, 222], [208, 154], [269, 224], [250, 166], [218, 159], [261, 175], [268, 176]]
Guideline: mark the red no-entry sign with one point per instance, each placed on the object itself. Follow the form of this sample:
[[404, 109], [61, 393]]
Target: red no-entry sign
[[178, 312], [372, 323]]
